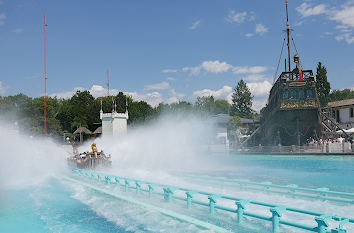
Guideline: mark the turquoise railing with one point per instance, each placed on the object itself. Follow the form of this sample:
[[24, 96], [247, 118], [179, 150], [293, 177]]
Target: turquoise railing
[[292, 189], [168, 192]]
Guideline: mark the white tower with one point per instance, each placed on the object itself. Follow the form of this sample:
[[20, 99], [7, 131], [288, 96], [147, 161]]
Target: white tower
[[114, 124]]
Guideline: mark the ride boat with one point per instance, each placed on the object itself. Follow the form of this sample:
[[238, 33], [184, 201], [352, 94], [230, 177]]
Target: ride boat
[[90, 159]]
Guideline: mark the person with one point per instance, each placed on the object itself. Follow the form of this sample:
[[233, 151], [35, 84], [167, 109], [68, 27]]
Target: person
[[93, 147]]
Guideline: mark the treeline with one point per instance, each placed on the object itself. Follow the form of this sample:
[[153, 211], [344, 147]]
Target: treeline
[[82, 109]]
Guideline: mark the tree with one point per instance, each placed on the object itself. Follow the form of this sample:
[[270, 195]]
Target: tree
[[139, 112], [205, 104], [323, 87], [221, 107], [242, 101], [344, 94]]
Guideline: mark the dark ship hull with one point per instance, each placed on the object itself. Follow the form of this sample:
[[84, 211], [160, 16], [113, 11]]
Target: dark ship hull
[[292, 115]]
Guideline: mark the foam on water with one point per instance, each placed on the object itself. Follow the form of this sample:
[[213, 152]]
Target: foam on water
[[152, 153]]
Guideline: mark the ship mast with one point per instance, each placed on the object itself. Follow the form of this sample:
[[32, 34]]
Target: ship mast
[[288, 34]]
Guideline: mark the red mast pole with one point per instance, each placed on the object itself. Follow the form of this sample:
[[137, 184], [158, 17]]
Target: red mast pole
[[45, 77]]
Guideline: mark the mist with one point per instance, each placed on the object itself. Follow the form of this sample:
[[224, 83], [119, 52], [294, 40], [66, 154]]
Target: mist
[[171, 143], [27, 160]]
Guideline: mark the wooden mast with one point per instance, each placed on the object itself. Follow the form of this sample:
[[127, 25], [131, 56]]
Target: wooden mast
[[288, 35]]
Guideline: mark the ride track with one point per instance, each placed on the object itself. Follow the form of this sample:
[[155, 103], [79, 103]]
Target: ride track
[[168, 192]]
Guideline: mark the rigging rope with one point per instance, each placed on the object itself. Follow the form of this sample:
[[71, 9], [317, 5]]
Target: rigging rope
[[297, 52], [281, 53]]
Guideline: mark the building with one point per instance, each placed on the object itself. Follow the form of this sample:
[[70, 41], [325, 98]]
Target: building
[[227, 138], [343, 112], [114, 123]]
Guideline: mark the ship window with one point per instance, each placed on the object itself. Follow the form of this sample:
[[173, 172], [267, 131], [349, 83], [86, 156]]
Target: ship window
[[285, 94], [301, 94], [352, 112], [293, 94], [309, 93]]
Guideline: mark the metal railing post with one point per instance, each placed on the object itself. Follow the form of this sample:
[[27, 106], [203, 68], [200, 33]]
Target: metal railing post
[[117, 180], [126, 185], [168, 193], [276, 214], [322, 223], [190, 198], [241, 205], [137, 186], [151, 189], [212, 202]]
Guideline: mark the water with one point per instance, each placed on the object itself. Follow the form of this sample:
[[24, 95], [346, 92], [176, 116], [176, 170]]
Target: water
[[34, 198], [58, 206]]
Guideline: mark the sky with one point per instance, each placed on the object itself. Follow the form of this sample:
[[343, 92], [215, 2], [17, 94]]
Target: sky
[[169, 51]]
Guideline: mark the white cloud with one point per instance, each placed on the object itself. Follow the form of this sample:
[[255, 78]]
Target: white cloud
[[195, 25], [215, 66], [209, 66], [261, 29], [254, 77], [192, 70], [2, 18], [157, 86], [18, 30], [248, 34], [169, 71], [248, 69], [221, 67], [171, 79], [260, 88], [2, 89], [348, 37], [224, 93], [95, 90], [306, 10], [233, 17], [345, 16], [66, 94]]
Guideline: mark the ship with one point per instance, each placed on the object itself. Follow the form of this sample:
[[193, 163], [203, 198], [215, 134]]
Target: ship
[[89, 159], [292, 115]]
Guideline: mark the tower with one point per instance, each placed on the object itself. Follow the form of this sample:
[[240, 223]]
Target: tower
[[114, 124]]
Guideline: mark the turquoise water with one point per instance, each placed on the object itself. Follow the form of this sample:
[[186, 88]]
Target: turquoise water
[[57, 206]]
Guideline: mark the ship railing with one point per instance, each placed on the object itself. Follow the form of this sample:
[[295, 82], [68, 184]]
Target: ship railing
[[278, 215]]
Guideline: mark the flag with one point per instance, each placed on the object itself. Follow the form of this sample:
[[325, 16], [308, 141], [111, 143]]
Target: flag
[[300, 74]]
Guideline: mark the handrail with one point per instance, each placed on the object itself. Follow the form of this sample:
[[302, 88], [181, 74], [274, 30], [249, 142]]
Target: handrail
[[168, 193], [293, 190]]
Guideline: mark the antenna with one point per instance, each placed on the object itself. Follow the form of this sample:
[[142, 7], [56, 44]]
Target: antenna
[[288, 34], [45, 75], [107, 82]]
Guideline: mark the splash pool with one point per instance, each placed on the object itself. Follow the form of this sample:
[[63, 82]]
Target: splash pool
[[54, 205]]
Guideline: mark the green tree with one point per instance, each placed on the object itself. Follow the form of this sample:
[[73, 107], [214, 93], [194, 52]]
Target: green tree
[[344, 94], [242, 101], [323, 87], [139, 112], [221, 106], [121, 101], [205, 104]]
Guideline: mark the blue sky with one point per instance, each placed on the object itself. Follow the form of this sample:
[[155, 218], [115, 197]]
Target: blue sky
[[165, 51]]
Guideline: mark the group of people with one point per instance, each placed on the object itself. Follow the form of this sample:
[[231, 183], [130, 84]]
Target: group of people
[[322, 141]]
